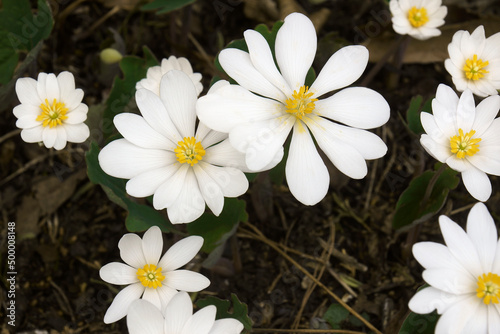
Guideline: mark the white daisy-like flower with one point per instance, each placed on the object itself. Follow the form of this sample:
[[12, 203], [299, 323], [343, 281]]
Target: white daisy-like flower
[[261, 111], [146, 274], [465, 137], [155, 73], [163, 155], [51, 110], [144, 318], [418, 18], [464, 276], [474, 62]]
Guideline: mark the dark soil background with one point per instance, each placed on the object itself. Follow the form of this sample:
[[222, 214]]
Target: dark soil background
[[67, 228]]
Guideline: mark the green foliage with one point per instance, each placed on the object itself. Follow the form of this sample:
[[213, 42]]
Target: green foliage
[[413, 113], [419, 323], [20, 32], [335, 314], [134, 69], [239, 309], [140, 217], [413, 208], [165, 6]]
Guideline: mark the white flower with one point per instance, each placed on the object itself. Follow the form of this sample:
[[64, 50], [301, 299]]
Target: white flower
[[465, 137], [155, 73], [162, 154], [156, 280], [51, 110], [144, 318], [418, 18], [464, 276], [259, 114], [474, 62]]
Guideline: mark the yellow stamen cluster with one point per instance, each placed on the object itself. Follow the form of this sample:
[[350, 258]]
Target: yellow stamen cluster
[[52, 114], [300, 103], [150, 276], [464, 144], [474, 68], [488, 288], [189, 151], [418, 16]]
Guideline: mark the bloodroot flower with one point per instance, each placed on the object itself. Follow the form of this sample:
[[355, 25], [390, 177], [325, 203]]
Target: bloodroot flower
[[146, 274], [268, 104], [474, 62], [51, 110], [464, 276], [144, 318], [418, 18], [465, 137]]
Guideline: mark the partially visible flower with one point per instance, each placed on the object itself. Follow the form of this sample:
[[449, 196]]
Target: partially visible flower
[[110, 56], [144, 318], [418, 18], [146, 274], [51, 110], [260, 113], [464, 276], [465, 137], [165, 155], [155, 73], [474, 62]]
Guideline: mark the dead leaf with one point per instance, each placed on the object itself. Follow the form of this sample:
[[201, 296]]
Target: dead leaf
[[27, 216]]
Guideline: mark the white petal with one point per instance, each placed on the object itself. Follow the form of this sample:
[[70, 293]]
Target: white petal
[[486, 163], [357, 106], [189, 205], [444, 108], [177, 313], [120, 158], [32, 135], [430, 299], [77, 115], [27, 92], [342, 69], [450, 280], [460, 245], [52, 88], [130, 246], [261, 141], [186, 280], [119, 306], [168, 192], [136, 130], [66, 83], [49, 136], [232, 181], [263, 61], [151, 295], [24, 110], [431, 128], [483, 234], [227, 326], [466, 111], [118, 273], [201, 322], [477, 183], [496, 262], [144, 318], [457, 316], [77, 133], [207, 136], [146, 184], [345, 157], [224, 154], [432, 255], [179, 96], [486, 112], [181, 253], [156, 114], [73, 98], [295, 48], [152, 245], [210, 190], [493, 319], [41, 86], [437, 151], [27, 121], [479, 322], [165, 293], [61, 137], [460, 165], [232, 105], [306, 173]]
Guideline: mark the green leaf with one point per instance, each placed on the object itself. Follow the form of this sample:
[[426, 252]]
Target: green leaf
[[140, 217], [166, 6], [413, 113], [134, 69], [239, 309], [216, 230], [419, 323], [335, 314], [411, 209]]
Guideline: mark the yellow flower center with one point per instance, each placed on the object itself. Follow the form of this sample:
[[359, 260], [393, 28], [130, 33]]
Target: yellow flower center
[[189, 151], [464, 144], [300, 103], [418, 16], [150, 276], [52, 115], [488, 288], [474, 68]]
